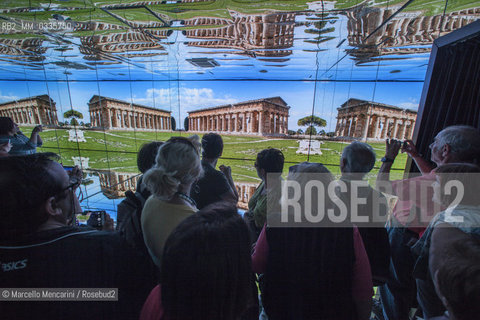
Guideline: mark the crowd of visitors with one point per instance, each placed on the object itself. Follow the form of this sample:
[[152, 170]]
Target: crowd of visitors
[[422, 249]]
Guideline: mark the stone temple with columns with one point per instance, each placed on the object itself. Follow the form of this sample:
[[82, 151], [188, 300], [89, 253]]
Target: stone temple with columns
[[264, 117], [368, 120]]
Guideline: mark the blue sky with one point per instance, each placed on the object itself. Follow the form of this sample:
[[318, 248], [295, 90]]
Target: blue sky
[[200, 94]]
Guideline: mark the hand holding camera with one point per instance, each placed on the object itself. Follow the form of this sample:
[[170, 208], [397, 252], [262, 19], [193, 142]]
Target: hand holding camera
[[392, 148], [409, 147], [100, 220], [37, 129]]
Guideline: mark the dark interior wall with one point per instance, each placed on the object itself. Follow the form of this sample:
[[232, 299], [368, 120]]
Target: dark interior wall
[[451, 94]]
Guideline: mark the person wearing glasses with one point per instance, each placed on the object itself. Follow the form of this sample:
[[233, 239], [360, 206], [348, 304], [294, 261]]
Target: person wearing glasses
[[20, 144], [41, 248], [177, 167]]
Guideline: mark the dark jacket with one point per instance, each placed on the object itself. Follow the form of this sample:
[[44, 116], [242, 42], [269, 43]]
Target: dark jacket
[[374, 234], [309, 274], [70, 257]]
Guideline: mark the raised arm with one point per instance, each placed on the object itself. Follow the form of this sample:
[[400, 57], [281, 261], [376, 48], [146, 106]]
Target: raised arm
[[423, 165], [35, 137], [391, 152], [233, 194]]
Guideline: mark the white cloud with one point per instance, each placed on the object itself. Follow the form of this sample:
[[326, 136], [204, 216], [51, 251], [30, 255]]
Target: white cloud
[[4, 98], [202, 97], [190, 98], [408, 105]]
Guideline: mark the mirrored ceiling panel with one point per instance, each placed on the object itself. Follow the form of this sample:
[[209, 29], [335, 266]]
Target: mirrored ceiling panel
[[224, 40]]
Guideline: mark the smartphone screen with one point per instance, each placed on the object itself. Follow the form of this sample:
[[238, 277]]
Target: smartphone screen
[[68, 168]]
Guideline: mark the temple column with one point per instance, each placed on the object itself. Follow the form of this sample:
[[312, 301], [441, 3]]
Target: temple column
[[402, 130], [252, 122], [350, 125], [343, 128], [338, 132], [29, 116], [109, 118], [244, 127], [366, 124], [385, 128], [395, 128], [337, 128], [353, 126], [346, 130], [260, 122], [375, 129]]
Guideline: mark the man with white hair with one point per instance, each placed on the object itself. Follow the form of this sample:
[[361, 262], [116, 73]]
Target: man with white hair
[[357, 160], [415, 208]]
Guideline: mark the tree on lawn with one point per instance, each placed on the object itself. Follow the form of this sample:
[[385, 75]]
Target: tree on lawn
[[73, 115], [311, 131], [185, 124], [312, 122], [173, 123]]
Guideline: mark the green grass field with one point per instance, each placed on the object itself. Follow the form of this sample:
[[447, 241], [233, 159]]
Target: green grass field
[[116, 150]]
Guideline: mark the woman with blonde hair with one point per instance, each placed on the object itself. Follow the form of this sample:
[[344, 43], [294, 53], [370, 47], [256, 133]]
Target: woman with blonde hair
[[177, 167]]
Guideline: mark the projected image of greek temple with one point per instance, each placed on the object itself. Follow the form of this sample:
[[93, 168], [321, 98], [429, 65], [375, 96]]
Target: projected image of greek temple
[[268, 116], [114, 114], [31, 111], [375, 121]]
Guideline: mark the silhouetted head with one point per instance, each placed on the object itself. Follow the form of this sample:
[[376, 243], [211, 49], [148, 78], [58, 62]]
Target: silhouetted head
[[206, 266]]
